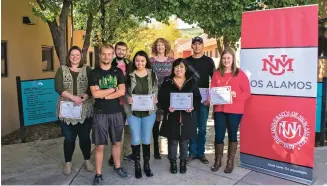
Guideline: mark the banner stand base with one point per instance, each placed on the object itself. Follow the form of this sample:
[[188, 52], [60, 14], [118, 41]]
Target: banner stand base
[[277, 174]]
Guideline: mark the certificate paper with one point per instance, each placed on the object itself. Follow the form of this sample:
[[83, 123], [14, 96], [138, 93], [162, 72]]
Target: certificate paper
[[181, 101], [204, 94], [68, 110], [221, 95], [143, 102]]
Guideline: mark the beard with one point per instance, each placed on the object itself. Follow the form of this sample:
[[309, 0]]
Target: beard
[[120, 58]]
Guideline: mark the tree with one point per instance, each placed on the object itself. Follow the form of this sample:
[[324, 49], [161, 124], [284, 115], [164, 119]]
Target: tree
[[287, 3], [218, 18], [111, 21], [55, 14], [85, 12], [143, 35]]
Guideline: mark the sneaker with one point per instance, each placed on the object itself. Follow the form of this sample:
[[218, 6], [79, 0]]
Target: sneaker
[[121, 172], [98, 180], [111, 161], [129, 158], [204, 160]]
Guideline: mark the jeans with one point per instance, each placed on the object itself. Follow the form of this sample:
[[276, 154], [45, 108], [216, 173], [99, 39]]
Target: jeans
[[229, 121], [172, 149], [197, 147], [70, 133], [141, 128]]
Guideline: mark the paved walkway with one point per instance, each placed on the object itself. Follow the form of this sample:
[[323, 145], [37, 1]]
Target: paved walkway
[[41, 163]]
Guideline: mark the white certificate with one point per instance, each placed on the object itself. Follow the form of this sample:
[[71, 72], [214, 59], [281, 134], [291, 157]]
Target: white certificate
[[143, 102], [69, 110], [204, 94], [221, 95], [181, 101]]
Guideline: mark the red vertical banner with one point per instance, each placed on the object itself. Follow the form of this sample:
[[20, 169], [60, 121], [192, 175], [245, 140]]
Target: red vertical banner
[[279, 53]]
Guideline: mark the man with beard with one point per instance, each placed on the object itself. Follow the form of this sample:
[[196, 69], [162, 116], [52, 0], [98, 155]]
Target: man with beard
[[203, 66], [126, 66], [107, 84]]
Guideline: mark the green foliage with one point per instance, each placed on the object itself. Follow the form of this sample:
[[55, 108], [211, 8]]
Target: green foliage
[[82, 9], [287, 3], [52, 9], [218, 18], [122, 19]]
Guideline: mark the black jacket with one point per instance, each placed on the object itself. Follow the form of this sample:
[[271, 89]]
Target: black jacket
[[171, 127], [128, 64]]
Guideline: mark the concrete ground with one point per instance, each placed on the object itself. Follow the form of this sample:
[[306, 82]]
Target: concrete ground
[[41, 163]]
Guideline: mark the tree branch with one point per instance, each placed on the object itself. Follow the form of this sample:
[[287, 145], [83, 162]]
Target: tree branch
[[64, 14], [72, 23], [87, 37], [40, 4]]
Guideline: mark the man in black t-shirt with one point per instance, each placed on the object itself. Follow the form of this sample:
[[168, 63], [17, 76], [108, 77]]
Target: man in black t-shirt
[[203, 68], [107, 84]]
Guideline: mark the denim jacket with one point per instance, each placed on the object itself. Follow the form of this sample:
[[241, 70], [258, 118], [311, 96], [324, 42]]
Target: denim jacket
[[152, 89]]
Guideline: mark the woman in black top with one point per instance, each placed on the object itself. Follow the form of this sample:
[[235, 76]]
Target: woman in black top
[[178, 126]]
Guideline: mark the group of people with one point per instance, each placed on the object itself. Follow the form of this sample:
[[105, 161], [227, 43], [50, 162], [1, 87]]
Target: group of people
[[106, 94]]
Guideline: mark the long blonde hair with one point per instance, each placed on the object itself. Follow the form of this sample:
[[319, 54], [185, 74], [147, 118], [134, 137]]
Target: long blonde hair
[[221, 67]]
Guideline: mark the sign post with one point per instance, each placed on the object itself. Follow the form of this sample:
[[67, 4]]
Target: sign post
[[37, 102], [279, 53]]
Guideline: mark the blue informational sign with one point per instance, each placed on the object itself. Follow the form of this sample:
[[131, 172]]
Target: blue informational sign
[[39, 100], [319, 107]]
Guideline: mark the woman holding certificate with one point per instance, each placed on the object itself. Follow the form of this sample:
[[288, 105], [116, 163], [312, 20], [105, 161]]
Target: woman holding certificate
[[178, 96], [142, 90], [71, 83], [229, 89]]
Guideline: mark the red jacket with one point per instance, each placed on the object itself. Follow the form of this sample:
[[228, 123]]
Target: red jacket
[[240, 84]]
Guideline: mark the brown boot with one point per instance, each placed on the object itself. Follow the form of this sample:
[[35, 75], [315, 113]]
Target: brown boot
[[232, 147], [219, 150]]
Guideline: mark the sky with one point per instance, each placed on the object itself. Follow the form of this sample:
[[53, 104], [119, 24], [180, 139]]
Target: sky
[[183, 25]]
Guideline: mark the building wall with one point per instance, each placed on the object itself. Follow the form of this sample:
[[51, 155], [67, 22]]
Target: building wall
[[24, 56]]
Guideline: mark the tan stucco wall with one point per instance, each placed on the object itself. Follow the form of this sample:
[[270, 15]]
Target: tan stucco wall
[[24, 54]]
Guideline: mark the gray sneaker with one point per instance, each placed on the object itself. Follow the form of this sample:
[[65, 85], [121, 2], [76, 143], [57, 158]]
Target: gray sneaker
[[98, 180], [121, 172]]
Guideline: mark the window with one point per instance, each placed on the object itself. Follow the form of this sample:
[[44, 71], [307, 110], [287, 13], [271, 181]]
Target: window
[[210, 53], [216, 54], [91, 59], [47, 58], [4, 69]]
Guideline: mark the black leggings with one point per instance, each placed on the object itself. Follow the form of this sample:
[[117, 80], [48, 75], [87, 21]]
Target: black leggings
[[70, 133]]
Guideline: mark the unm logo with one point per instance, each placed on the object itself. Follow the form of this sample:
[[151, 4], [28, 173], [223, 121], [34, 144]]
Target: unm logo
[[290, 129], [278, 66]]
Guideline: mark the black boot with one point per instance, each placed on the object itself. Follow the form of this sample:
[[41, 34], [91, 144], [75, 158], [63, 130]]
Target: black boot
[[146, 159], [182, 166], [136, 153], [155, 133], [173, 166]]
